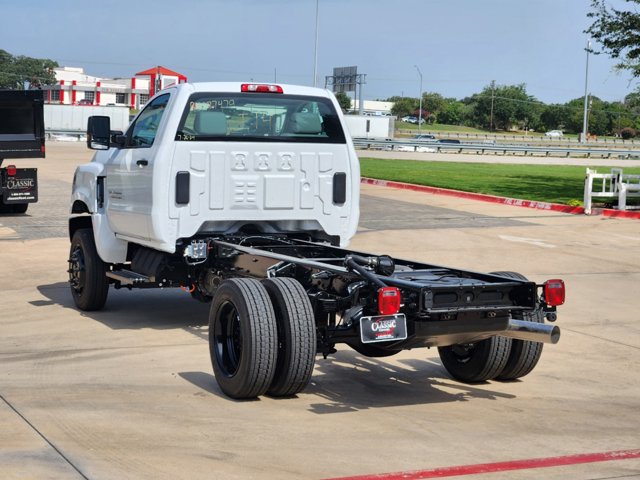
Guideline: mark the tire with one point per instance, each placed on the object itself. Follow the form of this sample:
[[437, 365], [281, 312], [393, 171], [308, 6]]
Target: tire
[[524, 354], [476, 362], [242, 338], [296, 336], [87, 279]]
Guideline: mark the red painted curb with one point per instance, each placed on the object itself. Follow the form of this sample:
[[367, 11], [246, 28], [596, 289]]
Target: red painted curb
[[502, 466], [555, 207]]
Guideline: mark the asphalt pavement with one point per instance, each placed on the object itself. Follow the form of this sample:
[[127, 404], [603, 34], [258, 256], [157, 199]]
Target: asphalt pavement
[[129, 393]]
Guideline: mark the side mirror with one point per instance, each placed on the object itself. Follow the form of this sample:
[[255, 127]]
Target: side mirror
[[98, 132], [118, 139]]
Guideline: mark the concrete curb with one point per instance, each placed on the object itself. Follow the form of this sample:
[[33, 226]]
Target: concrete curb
[[555, 207]]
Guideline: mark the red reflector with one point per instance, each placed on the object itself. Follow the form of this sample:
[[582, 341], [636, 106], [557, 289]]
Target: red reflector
[[260, 88], [554, 292], [389, 300], [12, 170]]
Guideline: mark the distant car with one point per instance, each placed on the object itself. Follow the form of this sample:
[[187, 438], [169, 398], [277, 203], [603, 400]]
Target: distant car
[[85, 101], [406, 118], [411, 148], [425, 149], [425, 138], [554, 133], [414, 120], [449, 140]]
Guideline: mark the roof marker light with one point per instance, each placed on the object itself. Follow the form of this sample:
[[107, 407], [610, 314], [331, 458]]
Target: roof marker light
[[260, 88]]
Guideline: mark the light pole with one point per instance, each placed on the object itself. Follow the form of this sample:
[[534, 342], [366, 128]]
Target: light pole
[[585, 126], [420, 112], [315, 52]]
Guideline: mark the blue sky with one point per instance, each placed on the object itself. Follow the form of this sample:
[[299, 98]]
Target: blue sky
[[459, 45]]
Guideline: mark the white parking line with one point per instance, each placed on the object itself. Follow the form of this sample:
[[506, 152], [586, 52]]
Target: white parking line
[[530, 241]]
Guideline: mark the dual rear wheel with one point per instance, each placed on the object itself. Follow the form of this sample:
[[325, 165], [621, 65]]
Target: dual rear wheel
[[498, 358], [262, 337]]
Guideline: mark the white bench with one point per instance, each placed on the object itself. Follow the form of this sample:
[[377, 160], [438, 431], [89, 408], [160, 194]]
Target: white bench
[[610, 185]]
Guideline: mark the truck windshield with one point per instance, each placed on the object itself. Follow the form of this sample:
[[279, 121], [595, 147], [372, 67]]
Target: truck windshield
[[259, 117]]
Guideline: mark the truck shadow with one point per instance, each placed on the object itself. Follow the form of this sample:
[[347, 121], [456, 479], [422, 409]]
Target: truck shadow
[[350, 382], [153, 308], [344, 382]]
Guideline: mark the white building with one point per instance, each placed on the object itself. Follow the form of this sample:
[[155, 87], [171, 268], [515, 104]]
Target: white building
[[373, 107], [74, 87]]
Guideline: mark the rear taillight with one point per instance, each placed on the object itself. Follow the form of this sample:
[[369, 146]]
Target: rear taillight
[[554, 292], [12, 170], [389, 300], [260, 88]]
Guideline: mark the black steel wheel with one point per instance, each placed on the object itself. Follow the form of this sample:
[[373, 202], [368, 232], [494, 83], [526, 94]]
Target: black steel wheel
[[296, 336], [524, 355], [476, 362], [87, 279], [242, 338]]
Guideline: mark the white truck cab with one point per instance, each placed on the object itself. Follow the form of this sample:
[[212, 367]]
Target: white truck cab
[[207, 158]]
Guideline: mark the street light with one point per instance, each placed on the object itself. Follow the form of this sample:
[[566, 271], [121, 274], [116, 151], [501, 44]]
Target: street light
[[586, 101], [420, 112], [315, 51]]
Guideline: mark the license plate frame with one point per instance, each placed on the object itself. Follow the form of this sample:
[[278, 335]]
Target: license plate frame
[[383, 328]]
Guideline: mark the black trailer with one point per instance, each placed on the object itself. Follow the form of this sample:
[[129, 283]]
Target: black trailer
[[22, 135]]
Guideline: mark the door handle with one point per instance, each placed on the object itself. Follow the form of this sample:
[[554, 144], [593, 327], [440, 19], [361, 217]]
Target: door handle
[[142, 163]]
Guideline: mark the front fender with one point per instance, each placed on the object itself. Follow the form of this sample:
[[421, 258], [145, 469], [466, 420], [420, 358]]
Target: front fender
[[84, 191]]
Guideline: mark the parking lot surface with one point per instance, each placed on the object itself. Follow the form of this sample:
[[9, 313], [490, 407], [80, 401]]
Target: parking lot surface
[[128, 392]]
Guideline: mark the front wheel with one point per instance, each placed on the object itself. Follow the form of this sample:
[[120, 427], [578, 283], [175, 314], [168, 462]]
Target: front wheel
[[242, 338], [87, 272]]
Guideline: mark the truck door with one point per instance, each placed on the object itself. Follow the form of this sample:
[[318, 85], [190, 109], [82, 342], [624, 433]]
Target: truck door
[[130, 173]]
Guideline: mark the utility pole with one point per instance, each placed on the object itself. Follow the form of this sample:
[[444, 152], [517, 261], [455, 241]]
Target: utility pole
[[315, 51], [493, 90], [420, 112], [585, 125]]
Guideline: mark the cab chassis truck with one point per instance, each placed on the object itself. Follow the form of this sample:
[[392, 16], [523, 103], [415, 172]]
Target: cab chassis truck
[[245, 196], [21, 136]]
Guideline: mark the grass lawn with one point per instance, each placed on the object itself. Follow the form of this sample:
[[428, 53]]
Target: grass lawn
[[547, 183], [436, 127]]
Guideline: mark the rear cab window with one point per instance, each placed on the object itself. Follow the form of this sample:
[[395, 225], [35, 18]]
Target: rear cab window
[[259, 117]]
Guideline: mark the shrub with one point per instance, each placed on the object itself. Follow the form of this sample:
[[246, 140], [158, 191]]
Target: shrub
[[627, 133]]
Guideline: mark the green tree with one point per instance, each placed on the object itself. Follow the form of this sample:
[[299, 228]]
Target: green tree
[[619, 117], [403, 106], [598, 121], [344, 101], [503, 106], [553, 117], [432, 102], [452, 113], [618, 33], [15, 70]]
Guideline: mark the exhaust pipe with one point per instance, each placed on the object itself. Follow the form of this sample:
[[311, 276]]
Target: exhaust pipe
[[531, 331]]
